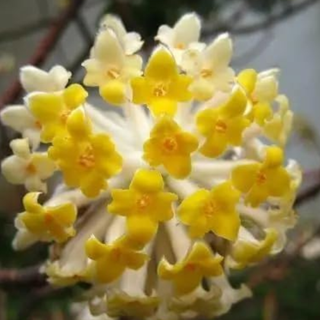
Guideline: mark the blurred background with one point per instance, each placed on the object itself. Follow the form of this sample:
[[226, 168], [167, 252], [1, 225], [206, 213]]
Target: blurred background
[[266, 33]]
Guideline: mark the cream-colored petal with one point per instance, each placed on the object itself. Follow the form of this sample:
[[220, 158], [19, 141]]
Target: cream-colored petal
[[132, 42], [218, 54], [95, 75], [34, 79], [187, 30], [14, 170], [20, 148], [44, 166], [18, 117], [34, 183], [165, 35]]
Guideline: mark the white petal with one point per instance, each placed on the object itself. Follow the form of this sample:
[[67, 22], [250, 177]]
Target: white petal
[[218, 54], [94, 75], [266, 89], [33, 183], [187, 29], [44, 165], [14, 169], [34, 79], [191, 61], [18, 117], [33, 135], [107, 48], [132, 67], [20, 148], [165, 35], [115, 23], [132, 42]]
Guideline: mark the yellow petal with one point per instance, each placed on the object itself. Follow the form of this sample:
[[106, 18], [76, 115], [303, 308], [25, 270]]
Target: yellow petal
[[78, 124], [108, 270], [74, 96], [161, 65], [278, 182], [135, 260], [273, 157], [147, 181], [236, 104], [94, 248], [178, 89], [65, 213], [214, 146], [243, 177], [226, 224], [114, 92], [33, 222], [123, 202], [30, 203], [225, 195], [141, 91], [262, 111], [235, 129], [163, 105], [206, 120], [140, 230], [257, 194], [179, 166], [46, 106], [247, 79], [187, 142]]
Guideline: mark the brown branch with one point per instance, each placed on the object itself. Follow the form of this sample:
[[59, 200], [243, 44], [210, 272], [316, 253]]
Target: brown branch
[[45, 46], [26, 276], [307, 194], [285, 14]]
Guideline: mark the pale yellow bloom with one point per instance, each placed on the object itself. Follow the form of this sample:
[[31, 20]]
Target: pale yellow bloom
[[24, 167]]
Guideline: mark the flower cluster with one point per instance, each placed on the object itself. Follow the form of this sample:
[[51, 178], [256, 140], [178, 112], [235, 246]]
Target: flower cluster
[[162, 200]]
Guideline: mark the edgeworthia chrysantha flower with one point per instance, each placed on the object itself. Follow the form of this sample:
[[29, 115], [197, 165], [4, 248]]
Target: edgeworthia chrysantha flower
[[158, 204]]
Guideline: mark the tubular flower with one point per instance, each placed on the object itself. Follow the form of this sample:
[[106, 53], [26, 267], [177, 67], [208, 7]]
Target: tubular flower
[[111, 260], [161, 87], [248, 250], [26, 168], [110, 69], [209, 68], [171, 147], [258, 181], [144, 205], [160, 219], [224, 125], [53, 109], [47, 223], [199, 263], [184, 35], [85, 159], [213, 210]]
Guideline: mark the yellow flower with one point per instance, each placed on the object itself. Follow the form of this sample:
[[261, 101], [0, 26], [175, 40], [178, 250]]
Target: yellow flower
[[187, 274], [53, 109], [223, 126], [111, 260], [171, 147], [213, 210], [260, 180], [261, 89], [85, 159], [162, 87], [248, 250], [144, 204], [48, 223]]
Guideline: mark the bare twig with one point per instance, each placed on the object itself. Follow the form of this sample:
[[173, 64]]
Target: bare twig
[[307, 194], [26, 276], [45, 47]]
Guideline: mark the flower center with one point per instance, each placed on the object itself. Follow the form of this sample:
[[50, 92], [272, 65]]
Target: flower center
[[221, 126], [38, 124], [87, 158], [261, 177], [160, 90], [31, 169], [144, 201], [170, 144], [206, 73], [191, 267], [113, 73], [210, 208], [180, 45]]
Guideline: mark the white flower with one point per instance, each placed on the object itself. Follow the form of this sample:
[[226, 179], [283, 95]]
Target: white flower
[[210, 68], [110, 69], [130, 41], [19, 118], [184, 35], [26, 168], [34, 79]]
